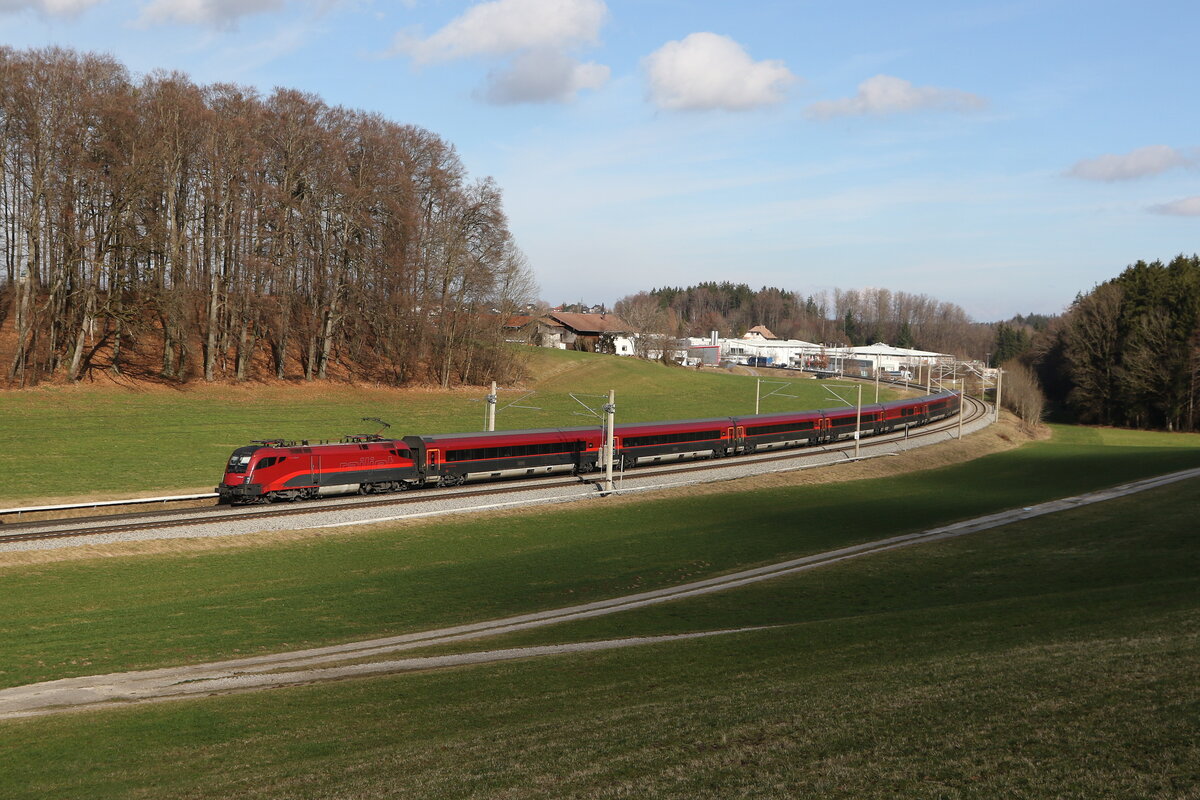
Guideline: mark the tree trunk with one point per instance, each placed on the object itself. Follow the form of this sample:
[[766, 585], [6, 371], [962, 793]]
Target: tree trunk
[[23, 302], [89, 316], [327, 326], [245, 351], [214, 324]]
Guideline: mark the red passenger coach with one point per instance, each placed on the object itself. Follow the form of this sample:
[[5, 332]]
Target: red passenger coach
[[449, 459], [770, 431], [653, 442], [918, 411], [900, 413]]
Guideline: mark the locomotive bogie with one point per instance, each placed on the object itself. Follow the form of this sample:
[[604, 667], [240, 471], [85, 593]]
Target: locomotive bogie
[[383, 487]]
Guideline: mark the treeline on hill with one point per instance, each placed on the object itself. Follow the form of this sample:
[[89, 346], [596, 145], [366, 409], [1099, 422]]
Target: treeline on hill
[[847, 317], [1128, 352], [219, 234]]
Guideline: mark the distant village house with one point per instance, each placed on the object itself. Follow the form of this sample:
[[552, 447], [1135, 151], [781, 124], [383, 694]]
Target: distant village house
[[593, 333]]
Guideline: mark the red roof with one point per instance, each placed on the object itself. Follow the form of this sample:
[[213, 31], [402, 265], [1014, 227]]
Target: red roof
[[591, 323], [518, 321]]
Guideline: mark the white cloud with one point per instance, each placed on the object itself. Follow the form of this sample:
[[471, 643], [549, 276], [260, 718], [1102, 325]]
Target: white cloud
[[504, 27], [1187, 207], [542, 76], [708, 71], [885, 94], [218, 13], [51, 8], [1136, 164]]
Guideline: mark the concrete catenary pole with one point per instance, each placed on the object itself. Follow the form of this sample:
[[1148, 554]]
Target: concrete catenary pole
[[491, 409], [858, 422], [962, 396], [999, 386], [610, 410], [757, 391]]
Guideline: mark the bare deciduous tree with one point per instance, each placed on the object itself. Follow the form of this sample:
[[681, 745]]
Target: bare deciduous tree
[[1022, 394], [238, 232]]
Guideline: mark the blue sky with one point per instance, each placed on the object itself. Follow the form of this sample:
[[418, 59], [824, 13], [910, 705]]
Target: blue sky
[[1000, 155]]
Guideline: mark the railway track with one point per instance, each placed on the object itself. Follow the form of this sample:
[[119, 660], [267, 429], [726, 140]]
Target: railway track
[[80, 527]]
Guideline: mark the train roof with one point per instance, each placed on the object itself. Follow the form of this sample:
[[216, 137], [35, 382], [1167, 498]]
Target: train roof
[[851, 410], [279, 444], [923, 399], [473, 436], [675, 424], [778, 416]]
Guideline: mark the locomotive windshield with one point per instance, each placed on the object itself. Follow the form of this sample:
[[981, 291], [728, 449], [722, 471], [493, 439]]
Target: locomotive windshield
[[240, 460]]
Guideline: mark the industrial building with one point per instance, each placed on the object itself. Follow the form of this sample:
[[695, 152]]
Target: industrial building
[[758, 349]]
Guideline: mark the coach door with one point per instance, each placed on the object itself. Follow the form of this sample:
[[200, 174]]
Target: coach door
[[433, 460]]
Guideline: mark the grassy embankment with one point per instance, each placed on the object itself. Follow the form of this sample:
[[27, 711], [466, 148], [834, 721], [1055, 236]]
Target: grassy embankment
[[60, 441], [1055, 657]]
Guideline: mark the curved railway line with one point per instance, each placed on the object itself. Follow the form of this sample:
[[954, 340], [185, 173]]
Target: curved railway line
[[82, 527]]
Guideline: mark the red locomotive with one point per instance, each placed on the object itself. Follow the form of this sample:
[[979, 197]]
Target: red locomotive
[[276, 470]]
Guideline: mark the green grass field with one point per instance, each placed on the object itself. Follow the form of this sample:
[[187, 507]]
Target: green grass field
[[58, 441], [1052, 658]]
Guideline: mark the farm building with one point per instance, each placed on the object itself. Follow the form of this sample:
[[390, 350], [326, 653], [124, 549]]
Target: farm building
[[597, 333]]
